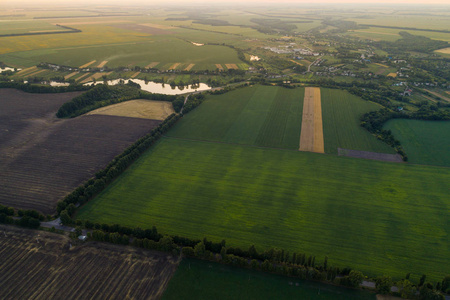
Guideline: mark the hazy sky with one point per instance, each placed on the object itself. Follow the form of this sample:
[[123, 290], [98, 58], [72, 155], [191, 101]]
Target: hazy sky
[[17, 3]]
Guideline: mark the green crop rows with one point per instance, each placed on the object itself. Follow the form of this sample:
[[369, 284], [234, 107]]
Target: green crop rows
[[425, 142], [341, 113], [373, 216], [206, 280]]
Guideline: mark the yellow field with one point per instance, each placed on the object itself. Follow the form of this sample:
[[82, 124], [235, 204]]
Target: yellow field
[[174, 66], [381, 65], [87, 64], [152, 65], [95, 76], [35, 73], [102, 64], [445, 51], [27, 70], [219, 66], [189, 67], [232, 66], [144, 109], [392, 75], [311, 136], [135, 74], [70, 75], [83, 76]]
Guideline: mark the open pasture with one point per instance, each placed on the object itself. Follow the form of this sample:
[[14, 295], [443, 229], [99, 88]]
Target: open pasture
[[259, 115], [377, 217], [341, 113], [208, 280], [425, 142], [40, 265], [43, 158]]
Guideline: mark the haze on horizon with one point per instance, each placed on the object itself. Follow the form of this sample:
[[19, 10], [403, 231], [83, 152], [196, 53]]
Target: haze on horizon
[[18, 3]]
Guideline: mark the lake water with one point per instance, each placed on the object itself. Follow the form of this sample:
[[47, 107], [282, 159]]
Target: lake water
[[159, 88], [54, 83]]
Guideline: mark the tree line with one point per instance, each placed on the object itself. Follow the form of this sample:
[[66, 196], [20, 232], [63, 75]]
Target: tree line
[[24, 218], [41, 88], [66, 207], [273, 260]]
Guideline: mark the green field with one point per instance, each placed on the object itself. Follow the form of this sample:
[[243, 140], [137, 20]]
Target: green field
[[27, 27], [380, 218], [341, 113], [425, 142], [157, 49], [259, 115], [207, 280]]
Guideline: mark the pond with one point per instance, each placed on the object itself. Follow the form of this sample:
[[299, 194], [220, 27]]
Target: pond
[[8, 69], [159, 88]]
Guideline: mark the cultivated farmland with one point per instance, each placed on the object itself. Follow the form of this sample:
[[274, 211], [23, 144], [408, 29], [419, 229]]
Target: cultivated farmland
[[42, 158], [425, 142], [207, 280], [40, 265], [259, 115], [341, 113], [361, 213]]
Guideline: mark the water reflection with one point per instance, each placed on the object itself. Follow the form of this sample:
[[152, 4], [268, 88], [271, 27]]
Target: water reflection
[[159, 88]]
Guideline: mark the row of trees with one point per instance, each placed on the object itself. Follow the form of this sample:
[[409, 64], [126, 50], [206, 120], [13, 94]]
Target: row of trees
[[83, 193], [40, 88], [272, 260]]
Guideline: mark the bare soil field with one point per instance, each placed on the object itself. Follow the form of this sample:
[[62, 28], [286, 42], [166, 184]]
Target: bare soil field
[[27, 70], [232, 66], [370, 155], [311, 136], [135, 74], [70, 75], [174, 66], [439, 95], [219, 66], [42, 265], [145, 109], [143, 28], [43, 158]]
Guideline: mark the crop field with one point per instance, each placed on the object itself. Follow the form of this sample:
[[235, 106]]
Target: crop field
[[207, 280], [40, 265], [259, 115], [169, 51], [43, 158], [145, 109], [377, 217], [27, 27], [341, 113], [425, 142]]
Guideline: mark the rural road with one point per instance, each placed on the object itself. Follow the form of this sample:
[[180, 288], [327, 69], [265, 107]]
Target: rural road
[[56, 223], [309, 67]]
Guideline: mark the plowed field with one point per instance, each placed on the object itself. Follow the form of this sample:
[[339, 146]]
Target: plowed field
[[43, 158], [40, 265]]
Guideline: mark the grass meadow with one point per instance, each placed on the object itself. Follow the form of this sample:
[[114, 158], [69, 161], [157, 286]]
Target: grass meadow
[[341, 113], [206, 280], [425, 142], [378, 217]]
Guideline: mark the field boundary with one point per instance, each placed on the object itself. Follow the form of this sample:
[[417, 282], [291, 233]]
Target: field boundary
[[370, 155]]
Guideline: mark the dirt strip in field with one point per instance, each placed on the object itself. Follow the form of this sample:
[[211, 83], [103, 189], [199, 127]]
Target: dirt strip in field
[[102, 64], [152, 65], [35, 73], [174, 66], [82, 77], [311, 136], [135, 74], [219, 66], [188, 68], [27, 70], [318, 127], [95, 76], [87, 64], [70, 75], [231, 66]]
